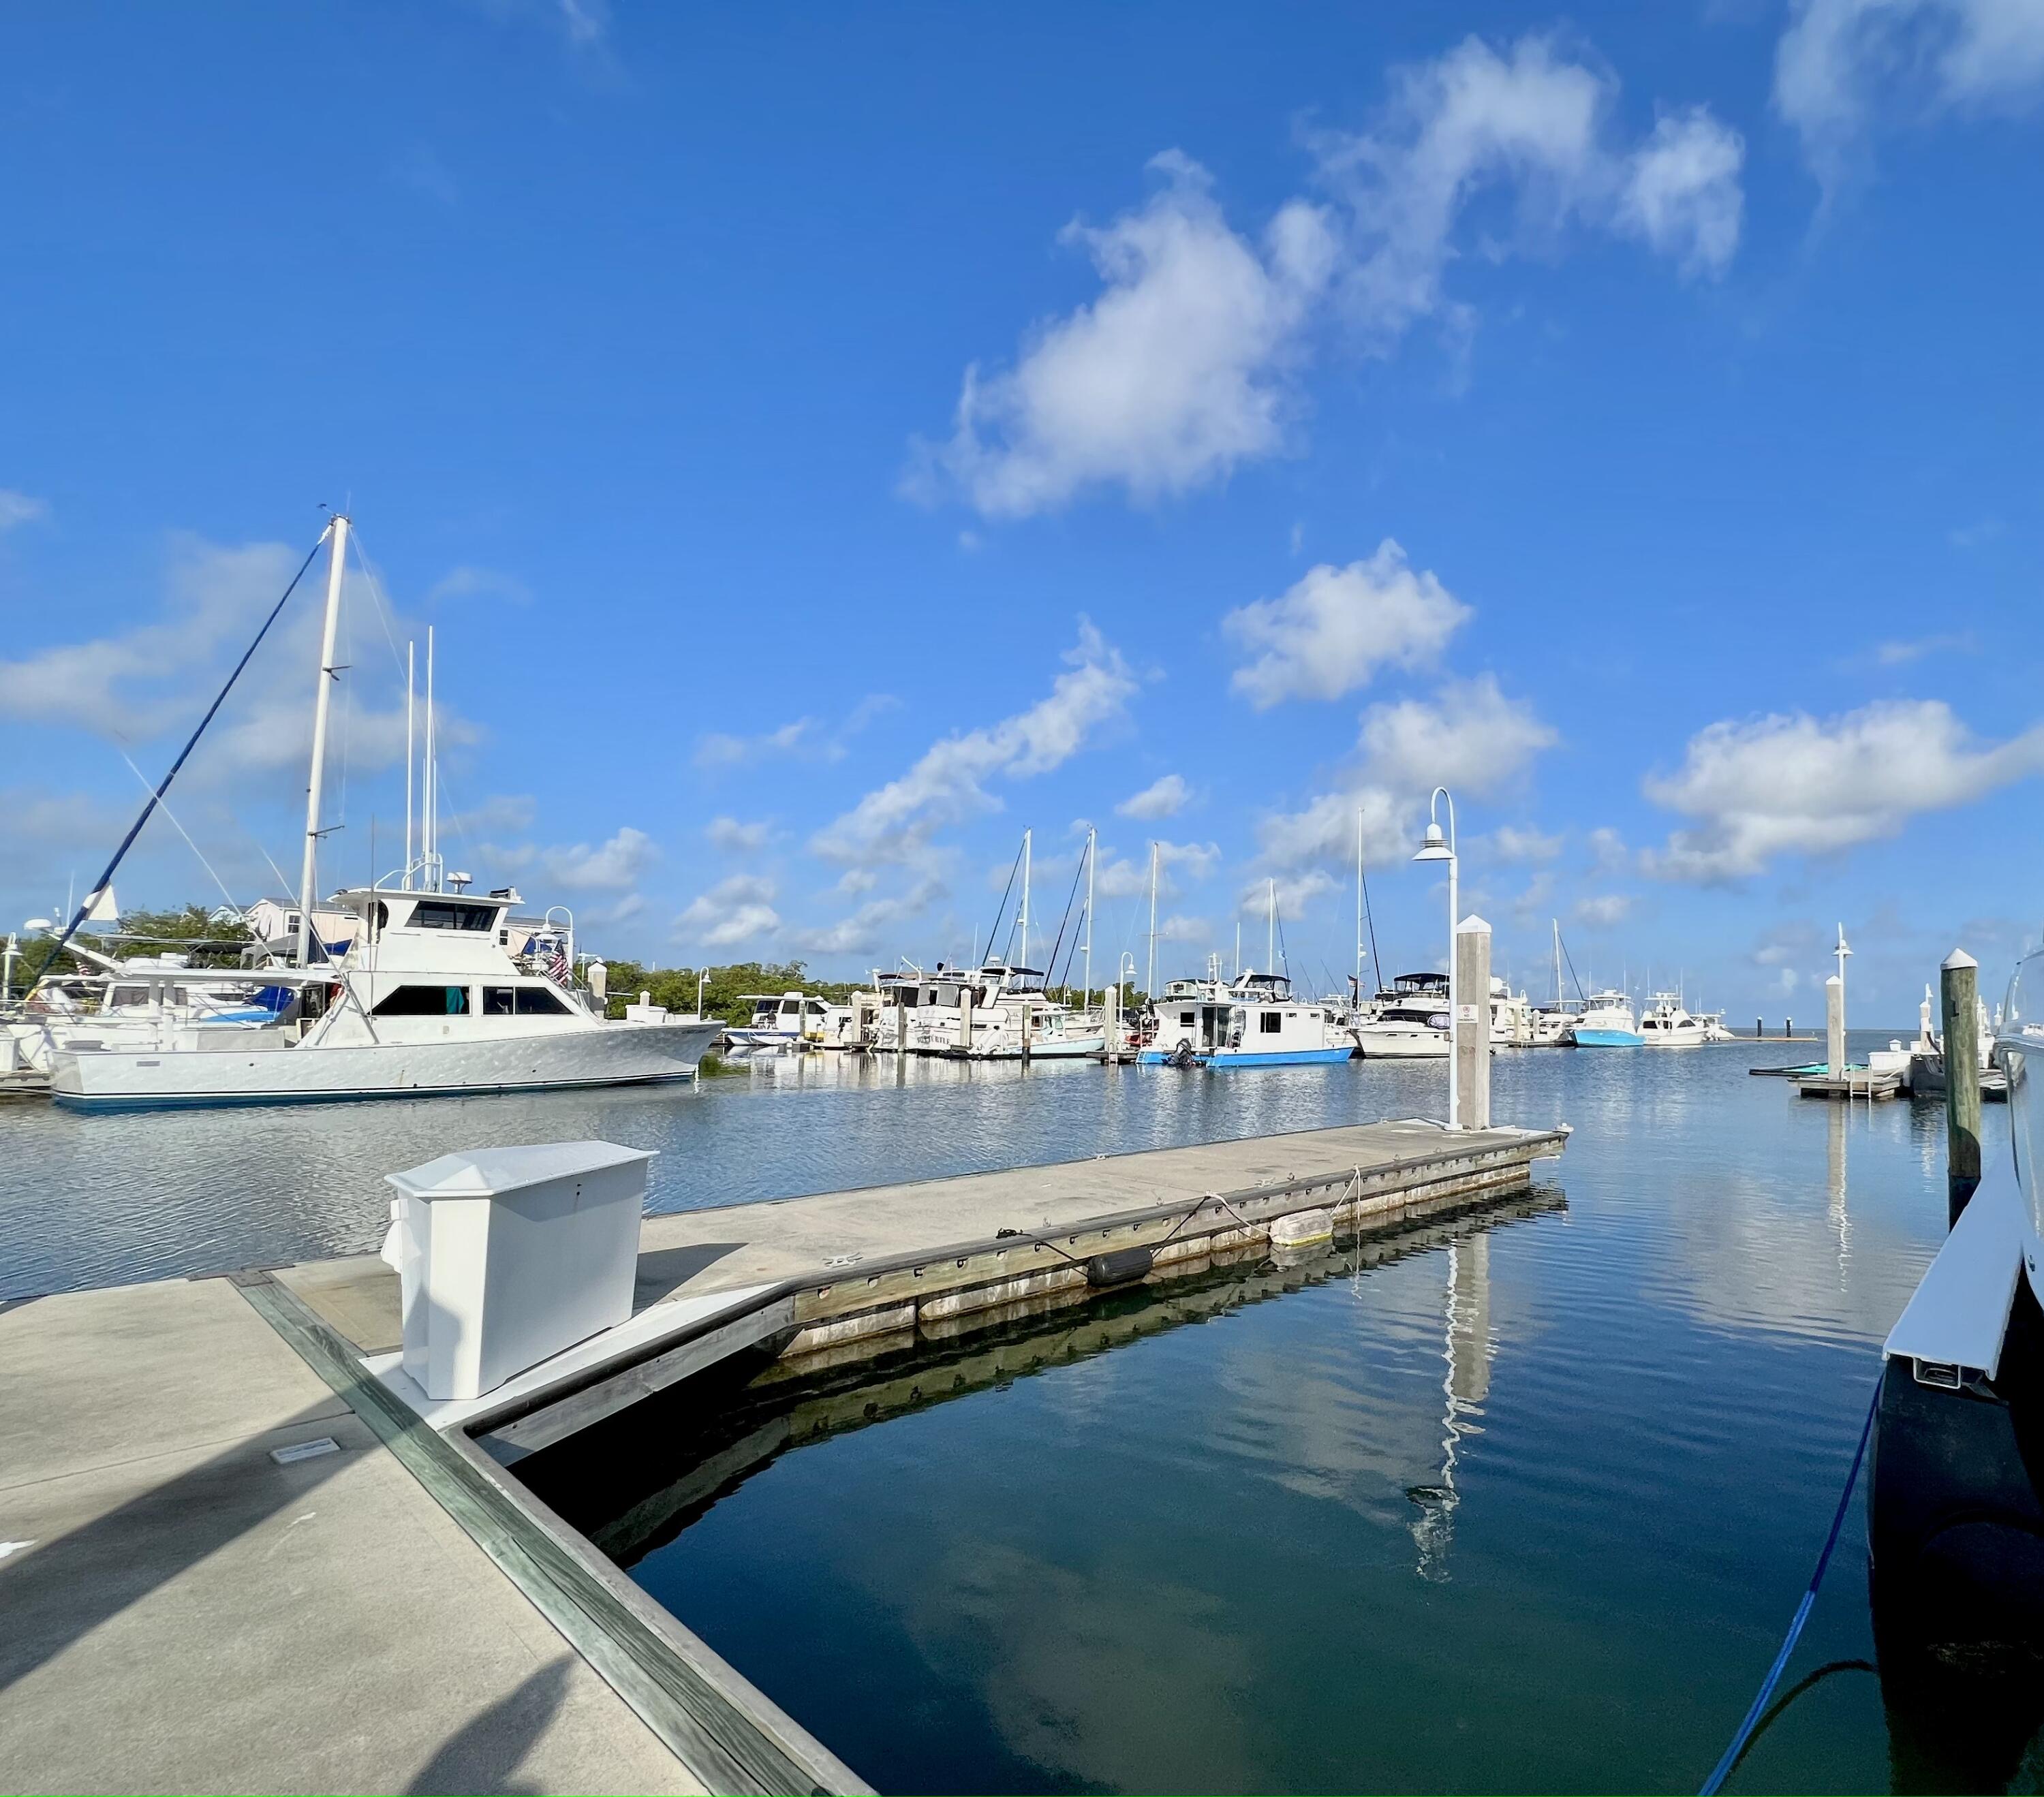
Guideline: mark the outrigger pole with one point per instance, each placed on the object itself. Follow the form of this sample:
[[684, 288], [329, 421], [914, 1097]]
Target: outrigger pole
[[156, 798]]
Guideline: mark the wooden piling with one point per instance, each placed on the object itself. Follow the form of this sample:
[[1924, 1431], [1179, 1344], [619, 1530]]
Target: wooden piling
[[1958, 989], [1471, 1046]]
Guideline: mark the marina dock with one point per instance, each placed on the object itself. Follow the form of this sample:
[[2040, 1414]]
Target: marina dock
[[234, 1535]]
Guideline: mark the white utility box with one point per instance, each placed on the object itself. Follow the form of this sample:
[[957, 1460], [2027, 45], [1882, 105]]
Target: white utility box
[[506, 1255]]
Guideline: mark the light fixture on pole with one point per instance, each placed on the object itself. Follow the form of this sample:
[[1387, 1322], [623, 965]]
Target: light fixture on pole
[[1437, 847]]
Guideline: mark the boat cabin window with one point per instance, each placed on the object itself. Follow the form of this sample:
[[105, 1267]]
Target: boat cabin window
[[1271, 1022], [1185, 1016], [498, 1001], [540, 1001], [441, 914], [424, 1002]]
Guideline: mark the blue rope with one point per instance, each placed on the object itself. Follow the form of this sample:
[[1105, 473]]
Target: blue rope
[[1724, 1769]]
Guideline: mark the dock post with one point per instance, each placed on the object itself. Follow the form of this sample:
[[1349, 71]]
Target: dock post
[[1114, 1025], [1835, 1027], [1472, 1023], [1958, 1005], [965, 1018], [900, 1026], [1788, 1029]]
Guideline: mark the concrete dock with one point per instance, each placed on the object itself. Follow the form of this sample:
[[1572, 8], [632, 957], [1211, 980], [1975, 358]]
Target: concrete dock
[[394, 1612]]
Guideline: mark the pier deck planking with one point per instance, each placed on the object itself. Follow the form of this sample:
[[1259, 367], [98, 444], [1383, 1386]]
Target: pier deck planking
[[226, 1622]]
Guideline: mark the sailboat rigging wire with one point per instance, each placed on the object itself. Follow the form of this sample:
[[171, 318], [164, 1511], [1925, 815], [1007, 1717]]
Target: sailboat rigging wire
[[1051, 965], [156, 798], [994, 935], [1573, 973], [1377, 966], [233, 903]]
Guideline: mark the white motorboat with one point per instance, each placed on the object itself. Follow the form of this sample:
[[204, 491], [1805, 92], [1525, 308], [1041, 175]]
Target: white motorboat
[[427, 1000], [1252, 1021], [1927, 1055], [1607, 1021], [1412, 1021], [1669, 1024], [1000, 1012], [788, 1019]]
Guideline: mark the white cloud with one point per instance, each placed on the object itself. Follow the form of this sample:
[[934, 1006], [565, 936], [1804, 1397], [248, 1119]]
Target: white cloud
[[468, 582], [1790, 783], [1128, 877], [1605, 910], [617, 862], [948, 785], [1295, 892], [1166, 381], [17, 508], [1184, 366], [1682, 193], [1160, 798], [716, 749], [733, 911], [1900, 654], [1607, 848], [1843, 66], [1509, 843], [1182, 929], [866, 928], [1471, 738], [1533, 120], [734, 838], [1336, 627]]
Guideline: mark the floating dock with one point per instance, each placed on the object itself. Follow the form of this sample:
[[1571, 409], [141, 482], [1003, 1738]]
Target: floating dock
[[239, 1550]]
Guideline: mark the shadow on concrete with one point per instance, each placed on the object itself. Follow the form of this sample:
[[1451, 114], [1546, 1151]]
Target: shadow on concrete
[[665, 1270], [483, 1755], [67, 1586]]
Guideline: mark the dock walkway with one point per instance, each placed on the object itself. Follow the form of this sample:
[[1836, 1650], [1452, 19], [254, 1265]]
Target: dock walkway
[[184, 1611]]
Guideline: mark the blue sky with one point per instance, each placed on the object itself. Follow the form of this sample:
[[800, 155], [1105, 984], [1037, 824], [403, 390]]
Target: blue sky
[[827, 441]]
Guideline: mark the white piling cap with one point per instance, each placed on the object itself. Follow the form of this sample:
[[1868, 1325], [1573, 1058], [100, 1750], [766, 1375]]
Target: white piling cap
[[1471, 924], [1958, 958], [1834, 980]]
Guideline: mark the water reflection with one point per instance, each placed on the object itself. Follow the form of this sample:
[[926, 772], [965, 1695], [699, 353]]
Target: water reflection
[[1469, 1346]]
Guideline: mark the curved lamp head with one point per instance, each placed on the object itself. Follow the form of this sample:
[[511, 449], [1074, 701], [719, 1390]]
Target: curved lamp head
[[1436, 847], [38, 924]]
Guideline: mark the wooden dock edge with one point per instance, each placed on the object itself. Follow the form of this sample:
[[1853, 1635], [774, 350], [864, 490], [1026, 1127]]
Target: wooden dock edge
[[944, 1289], [728, 1734]]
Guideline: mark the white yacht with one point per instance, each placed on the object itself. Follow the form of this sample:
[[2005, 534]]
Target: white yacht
[[1607, 1021], [786, 1020], [1669, 1024], [147, 1001], [427, 1000], [1000, 1012], [1412, 1021], [1252, 1021]]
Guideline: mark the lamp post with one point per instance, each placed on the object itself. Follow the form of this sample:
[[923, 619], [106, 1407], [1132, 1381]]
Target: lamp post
[[1438, 848]]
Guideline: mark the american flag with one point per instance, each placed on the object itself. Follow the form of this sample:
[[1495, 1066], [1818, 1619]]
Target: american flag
[[556, 961]]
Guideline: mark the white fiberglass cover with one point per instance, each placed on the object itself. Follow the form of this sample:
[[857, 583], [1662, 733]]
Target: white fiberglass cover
[[2020, 1041]]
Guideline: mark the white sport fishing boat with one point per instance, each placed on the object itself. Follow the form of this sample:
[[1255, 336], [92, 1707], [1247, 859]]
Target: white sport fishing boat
[[427, 1000], [1669, 1024], [1412, 1021], [1607, 1021]]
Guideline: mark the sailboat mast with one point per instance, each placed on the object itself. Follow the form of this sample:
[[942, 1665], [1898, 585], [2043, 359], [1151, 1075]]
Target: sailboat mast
[[1150, 977], [1024, 959], [1358, 900], [309, 876], [411, 757], [1270, 929], [429, 826], [1557, 923], [1092, 843]]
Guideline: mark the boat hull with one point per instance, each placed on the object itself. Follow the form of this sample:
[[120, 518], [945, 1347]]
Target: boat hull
[[1225, 1060], [1436, 1047], [1609, 1038], [614, 1053]]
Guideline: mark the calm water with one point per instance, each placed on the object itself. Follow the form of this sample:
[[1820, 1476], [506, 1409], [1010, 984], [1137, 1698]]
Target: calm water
[[1523, 1502]]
